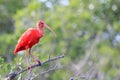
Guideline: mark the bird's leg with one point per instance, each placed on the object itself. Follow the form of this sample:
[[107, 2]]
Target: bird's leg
[[35, 59], [26, 56], [27, 60]]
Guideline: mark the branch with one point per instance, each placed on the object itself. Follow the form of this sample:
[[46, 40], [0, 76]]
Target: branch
[[13, 74], [49, 70], [85, 76]]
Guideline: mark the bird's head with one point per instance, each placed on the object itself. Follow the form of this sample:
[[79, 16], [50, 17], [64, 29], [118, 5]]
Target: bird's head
[[42, 24]]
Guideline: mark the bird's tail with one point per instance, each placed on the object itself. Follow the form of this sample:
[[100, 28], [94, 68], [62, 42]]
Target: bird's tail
[[18, 48], [15, 51]]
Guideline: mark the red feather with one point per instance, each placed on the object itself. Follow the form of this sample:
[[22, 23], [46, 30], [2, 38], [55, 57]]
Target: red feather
[[28, 39]]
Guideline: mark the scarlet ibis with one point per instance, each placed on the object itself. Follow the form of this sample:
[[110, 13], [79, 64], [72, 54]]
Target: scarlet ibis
[[30, 38]]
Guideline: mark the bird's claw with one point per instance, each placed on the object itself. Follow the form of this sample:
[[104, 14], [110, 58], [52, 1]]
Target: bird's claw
[[29, 67], [38, 61]]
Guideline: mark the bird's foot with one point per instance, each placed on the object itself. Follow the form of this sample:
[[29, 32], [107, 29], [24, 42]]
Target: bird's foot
[[38, 62], [30, 67]]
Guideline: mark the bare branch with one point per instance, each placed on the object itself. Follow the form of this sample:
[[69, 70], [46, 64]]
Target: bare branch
[[13, 74], [49, 70]]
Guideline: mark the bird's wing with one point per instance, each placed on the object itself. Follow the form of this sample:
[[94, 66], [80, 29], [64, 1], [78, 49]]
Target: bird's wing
[[23, 40], [26, 35]]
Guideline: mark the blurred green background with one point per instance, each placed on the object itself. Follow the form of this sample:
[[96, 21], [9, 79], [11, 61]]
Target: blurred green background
[[88, 33]]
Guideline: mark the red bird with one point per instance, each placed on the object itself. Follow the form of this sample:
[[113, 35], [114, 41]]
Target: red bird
[[30, 38]]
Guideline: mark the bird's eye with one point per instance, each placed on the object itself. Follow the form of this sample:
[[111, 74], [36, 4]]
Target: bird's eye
[[42, 24]]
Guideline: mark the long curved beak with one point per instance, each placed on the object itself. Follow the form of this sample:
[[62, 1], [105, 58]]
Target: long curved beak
[[50, 29]]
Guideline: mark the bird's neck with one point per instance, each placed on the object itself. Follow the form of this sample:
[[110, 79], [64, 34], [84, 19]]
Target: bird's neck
[[41, 30]]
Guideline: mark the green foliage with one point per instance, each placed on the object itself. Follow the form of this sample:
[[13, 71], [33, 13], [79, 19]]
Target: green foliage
[[87, 32]]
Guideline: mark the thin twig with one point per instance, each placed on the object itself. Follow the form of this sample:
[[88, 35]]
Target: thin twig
[[13, 74], [49, 70]]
